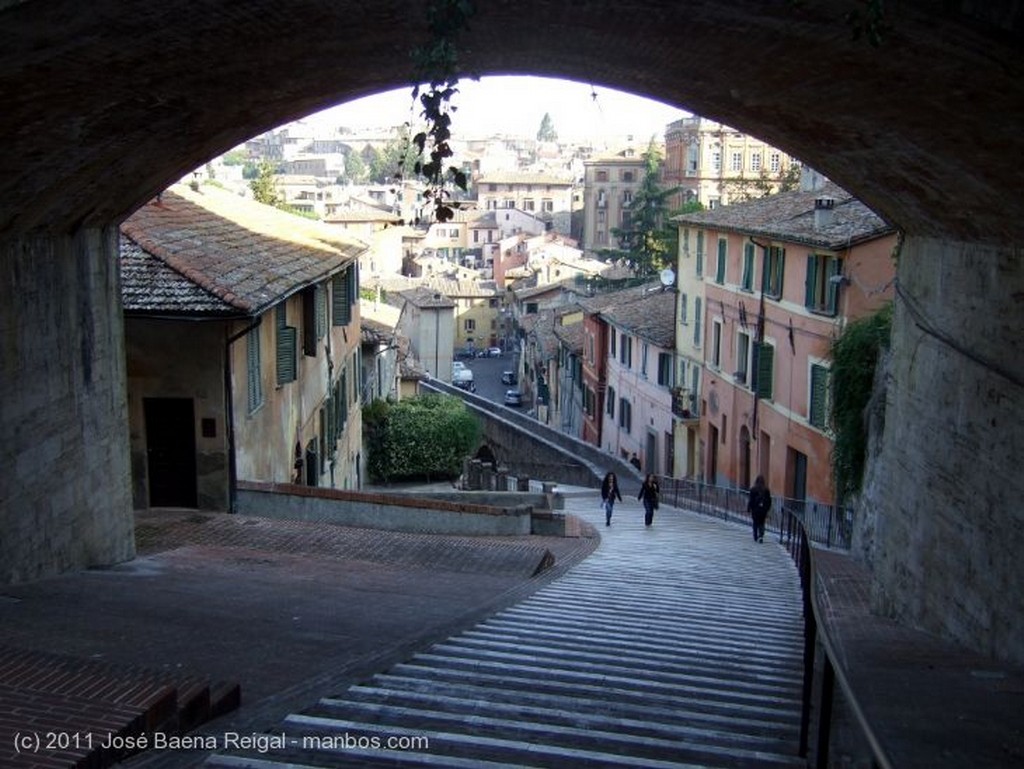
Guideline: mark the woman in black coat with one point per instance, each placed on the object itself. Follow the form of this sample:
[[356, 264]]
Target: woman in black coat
[[649, 496]]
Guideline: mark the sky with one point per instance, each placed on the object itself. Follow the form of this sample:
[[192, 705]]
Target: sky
[[516, 106]]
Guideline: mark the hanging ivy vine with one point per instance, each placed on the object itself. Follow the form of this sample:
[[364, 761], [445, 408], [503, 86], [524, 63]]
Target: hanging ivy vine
[[437, 68], [855, 354]]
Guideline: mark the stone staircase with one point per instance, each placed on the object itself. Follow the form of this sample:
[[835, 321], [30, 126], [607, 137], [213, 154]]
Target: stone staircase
[[679, 645], [60, 712]]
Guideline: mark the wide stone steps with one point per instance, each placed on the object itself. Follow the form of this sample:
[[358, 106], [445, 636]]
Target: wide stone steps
[[672, 647]]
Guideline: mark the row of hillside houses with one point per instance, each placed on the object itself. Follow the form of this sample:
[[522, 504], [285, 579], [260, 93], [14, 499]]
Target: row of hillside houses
[[250, 349], [721, 371]]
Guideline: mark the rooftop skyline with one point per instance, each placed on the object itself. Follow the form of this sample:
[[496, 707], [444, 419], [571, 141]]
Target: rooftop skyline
[[516, 105]]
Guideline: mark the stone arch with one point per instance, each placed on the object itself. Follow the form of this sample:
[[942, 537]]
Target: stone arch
[[108, 102]]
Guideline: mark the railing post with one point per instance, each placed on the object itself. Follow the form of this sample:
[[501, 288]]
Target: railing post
[[810, 639], [828, 680]]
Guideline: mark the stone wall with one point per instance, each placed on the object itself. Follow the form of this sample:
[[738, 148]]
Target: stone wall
[[942, 515], [65, 491], [463, 514]]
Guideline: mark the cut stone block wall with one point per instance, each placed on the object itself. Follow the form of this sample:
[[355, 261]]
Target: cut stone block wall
[[65, 496], [942, 515]]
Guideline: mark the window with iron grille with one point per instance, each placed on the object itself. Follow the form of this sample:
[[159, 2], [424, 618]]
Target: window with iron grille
[[252, 365], [822, 284]]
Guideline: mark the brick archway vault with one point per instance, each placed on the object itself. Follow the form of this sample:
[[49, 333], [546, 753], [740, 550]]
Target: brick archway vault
[[105, 103]]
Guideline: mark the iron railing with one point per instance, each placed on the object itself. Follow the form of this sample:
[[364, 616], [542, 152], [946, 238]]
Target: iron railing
[[825, 524], [795, 537]]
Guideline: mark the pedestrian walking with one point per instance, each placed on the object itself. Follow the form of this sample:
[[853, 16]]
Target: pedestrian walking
[[609, 492], [649, 492], [758, 505]]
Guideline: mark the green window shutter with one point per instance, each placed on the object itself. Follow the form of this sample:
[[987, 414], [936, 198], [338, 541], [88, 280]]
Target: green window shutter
[[810, 281], [722, 253], [765, 368], [696, 322], [287, 342], [700, 253], [341, 308], [817, 414], [748, 266], [343, 399]]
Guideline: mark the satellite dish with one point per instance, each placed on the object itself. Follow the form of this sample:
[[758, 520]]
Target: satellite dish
[[668, 277]]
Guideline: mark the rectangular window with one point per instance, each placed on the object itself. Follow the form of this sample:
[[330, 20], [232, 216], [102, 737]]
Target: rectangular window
[[822, 286], [684, 242], [664, 369], [723, 255], [287, 339], [775, 162], [736, 161], [625, 415], [755, 162], [310, 320], [764, 369], [772, 279], [716, 344], [682, 309], [469, 325], [252, 366], [742, 357], [817, 409], [643, 359], [610, 406], [716, 161], [612, 337], [696, 322], [626, 351], [700, 253], [747, 283]]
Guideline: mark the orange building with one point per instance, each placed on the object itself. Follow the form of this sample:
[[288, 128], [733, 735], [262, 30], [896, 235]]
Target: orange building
[[784, 275]]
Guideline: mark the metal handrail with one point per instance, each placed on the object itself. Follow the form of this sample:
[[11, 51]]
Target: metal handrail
[[827, 525], [794, 536]]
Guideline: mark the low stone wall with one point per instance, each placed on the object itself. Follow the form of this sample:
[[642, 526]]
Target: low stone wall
[[458, 513]]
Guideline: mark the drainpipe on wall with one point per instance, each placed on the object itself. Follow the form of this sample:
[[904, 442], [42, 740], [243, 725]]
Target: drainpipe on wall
[[759, 338], [230, 409]]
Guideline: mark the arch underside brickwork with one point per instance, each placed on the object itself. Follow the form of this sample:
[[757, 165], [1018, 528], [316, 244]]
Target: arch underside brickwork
[[105, 103]]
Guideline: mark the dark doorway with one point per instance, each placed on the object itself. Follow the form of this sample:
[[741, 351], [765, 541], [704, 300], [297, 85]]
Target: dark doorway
[[798, 473], [171, 451], [744, 458]]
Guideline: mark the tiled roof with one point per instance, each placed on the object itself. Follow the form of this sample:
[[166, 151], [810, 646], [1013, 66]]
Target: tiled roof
[[607, 300], [149, 285], [247, 255], [424, 297], [650, 316], [789, 216], [570, 335]]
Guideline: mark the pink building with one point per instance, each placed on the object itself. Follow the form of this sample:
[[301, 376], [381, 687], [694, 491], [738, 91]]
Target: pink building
[[785, 274]]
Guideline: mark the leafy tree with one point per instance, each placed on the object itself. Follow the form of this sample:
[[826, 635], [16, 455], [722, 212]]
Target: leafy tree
[[235, 158], [263, 187], [546, 132], [648, 239], [422, 437], [356, 171], [855, 353]]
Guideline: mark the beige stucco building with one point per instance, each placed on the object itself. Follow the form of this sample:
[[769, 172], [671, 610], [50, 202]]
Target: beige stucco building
[[242, 347]]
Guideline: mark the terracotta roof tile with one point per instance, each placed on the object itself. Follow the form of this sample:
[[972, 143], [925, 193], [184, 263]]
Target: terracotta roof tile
[[246, 254]]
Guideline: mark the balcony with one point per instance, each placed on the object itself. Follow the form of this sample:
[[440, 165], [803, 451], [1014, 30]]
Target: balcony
[[684, 405]]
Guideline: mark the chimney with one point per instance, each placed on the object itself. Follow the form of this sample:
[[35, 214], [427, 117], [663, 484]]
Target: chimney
[[823, 210]]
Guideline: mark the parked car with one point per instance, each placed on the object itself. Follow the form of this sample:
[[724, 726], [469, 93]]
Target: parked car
[[509, 377], [493, 352], [465, 384], [513, 398], [458, 365]]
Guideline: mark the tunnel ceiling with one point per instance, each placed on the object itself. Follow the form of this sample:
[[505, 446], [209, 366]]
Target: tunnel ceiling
[[106, 102]]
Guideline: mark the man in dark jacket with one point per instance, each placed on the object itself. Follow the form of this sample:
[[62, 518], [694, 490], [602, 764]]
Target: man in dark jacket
[[758, 505]]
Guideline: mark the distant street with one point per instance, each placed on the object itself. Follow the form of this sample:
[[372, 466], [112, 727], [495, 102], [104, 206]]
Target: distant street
[[487, 376]]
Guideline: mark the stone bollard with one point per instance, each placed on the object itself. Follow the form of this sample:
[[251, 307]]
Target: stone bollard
[[500, 479], [523, 483]]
